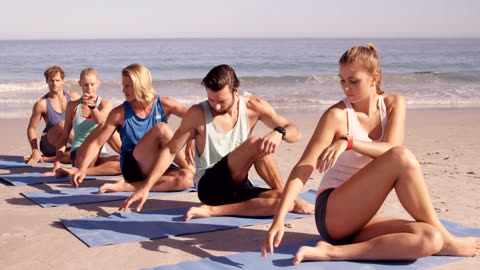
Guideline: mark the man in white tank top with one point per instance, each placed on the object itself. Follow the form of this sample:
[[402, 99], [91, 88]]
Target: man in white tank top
[[225, 151]]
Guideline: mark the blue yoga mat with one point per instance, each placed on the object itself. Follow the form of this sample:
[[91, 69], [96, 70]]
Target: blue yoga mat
[[11, 162], [283, 256], [7, 164], [23, 179], [72, 196], [130, 227]]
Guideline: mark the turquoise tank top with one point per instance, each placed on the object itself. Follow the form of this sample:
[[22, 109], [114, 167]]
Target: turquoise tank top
[[82, 127]]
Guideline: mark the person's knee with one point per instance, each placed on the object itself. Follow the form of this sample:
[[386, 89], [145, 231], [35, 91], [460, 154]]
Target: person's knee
[[430, 240], [185, 179], [253, 144], [162, 132], [404, 156]]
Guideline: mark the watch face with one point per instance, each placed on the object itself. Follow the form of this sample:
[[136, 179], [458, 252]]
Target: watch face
[[281, 130]]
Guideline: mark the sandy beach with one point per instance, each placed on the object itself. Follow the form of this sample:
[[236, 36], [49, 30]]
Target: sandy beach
[[444, 141]]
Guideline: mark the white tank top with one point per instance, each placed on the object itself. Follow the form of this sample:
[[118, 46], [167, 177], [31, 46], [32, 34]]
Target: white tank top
[[219, 143], [350, 162]]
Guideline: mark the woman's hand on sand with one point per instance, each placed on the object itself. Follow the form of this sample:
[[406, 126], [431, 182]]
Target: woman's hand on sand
[[77, 178], [140, 195], [273, 238], [330, 155]]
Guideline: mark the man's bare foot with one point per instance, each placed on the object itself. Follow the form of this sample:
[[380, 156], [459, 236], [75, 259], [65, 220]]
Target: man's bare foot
[[300, 206], [119, 186], [317, 253], [62, 172], [198, 212], [461, 246]]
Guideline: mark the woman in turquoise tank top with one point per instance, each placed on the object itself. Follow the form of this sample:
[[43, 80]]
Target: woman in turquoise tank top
[[83, 116], [353, 189], [142, 123]]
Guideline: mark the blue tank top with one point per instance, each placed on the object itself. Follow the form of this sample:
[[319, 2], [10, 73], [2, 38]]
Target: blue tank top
[[53, 116], [135, 127]]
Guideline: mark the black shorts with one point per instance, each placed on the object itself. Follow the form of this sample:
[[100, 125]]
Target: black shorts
[[320, 213], [217, 187], [73, 157], [47, 148], [131, 171]]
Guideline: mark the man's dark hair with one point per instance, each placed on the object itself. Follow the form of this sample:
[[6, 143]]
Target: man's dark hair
[[219, 77]]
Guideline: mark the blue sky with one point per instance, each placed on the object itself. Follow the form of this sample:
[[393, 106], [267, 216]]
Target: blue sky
[[53, 19]]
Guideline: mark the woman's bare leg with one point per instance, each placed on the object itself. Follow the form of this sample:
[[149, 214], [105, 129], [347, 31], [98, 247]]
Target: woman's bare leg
[[353, 205], [411, 240]]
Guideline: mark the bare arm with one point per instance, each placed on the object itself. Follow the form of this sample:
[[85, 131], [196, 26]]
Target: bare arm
[[394, 133], [38, 110], [100, 113], [186, 131], [97, 138], [67, 128], [262, 110], [322, 137], [171, 106]]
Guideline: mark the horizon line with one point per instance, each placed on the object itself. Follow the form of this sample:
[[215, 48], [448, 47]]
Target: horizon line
[[226, 38]]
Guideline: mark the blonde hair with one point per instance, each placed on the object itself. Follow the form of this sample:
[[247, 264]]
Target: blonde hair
[[367, 57], [88, 71], [142, 83]]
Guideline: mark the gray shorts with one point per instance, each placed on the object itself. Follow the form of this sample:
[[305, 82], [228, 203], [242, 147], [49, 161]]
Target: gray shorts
[[47, 148], [320, 214]]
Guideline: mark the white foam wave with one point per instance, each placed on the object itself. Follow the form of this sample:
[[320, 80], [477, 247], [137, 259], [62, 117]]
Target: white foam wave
[[17, 101], [21, 87]]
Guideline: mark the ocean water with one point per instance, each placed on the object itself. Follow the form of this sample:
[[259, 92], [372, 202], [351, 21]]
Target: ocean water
[[292, 74]]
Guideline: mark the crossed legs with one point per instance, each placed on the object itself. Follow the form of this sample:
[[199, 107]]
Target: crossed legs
[[146, 153], [352, 209], [240, 161]]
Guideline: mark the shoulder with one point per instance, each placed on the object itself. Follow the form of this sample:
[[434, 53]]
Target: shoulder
[[394, 102], [168, 101], [336, 112], [117, 114], [105, 102], [196, 111], [72, 104], [40, 105], [73, 94]]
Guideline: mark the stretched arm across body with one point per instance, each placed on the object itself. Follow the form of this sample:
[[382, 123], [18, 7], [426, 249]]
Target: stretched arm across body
[[185, 132]]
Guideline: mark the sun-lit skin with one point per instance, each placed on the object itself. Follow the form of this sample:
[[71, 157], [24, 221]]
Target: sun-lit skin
[[89, 84], [127, 88], [222, 101], [356, 83], [55, 83]]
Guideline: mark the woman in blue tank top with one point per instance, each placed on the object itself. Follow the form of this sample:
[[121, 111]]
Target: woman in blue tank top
[[142, 123]]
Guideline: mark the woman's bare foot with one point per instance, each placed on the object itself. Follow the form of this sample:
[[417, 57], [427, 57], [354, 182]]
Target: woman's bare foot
[[460, 246], [119, 186], [302, 207], [317, 253], [198, 212], [62, 172]]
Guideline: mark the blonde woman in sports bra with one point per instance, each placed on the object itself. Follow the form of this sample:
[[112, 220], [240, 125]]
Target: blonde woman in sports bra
[[357, 144]]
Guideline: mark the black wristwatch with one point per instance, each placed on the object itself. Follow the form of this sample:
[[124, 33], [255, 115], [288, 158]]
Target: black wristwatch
[[92, 107], [281, 130]]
